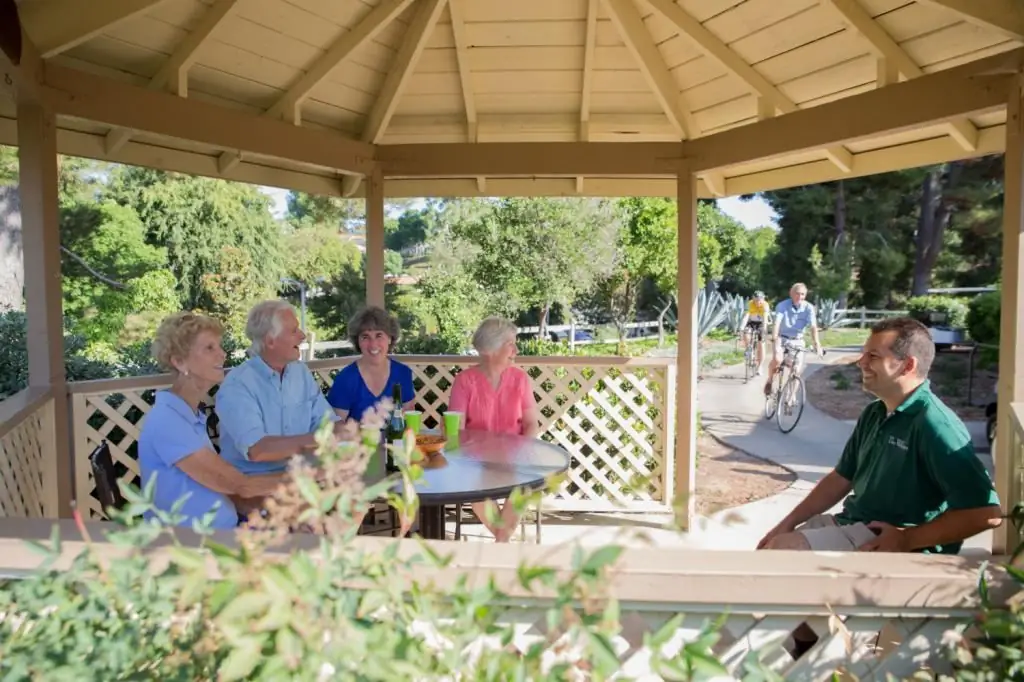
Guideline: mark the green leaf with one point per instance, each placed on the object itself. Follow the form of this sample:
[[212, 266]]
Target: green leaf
[[605, 660], [242, 660], [244, 607], [186, 558], [602, 557], [666, 632]]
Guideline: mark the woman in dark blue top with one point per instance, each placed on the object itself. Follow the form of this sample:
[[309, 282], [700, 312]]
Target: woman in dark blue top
[[361, 385]]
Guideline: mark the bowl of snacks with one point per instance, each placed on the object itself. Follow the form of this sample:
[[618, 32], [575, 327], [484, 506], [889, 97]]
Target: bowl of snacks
[[429, 443]]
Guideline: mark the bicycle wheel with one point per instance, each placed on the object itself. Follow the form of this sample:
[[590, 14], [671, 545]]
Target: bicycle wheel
[[748, 360], [771, 401], [791, 404]]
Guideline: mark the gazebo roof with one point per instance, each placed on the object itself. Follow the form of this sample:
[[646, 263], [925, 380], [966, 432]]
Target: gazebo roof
[[428, 72]]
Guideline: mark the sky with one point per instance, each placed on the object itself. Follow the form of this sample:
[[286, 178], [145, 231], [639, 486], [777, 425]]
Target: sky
[[752, 214]]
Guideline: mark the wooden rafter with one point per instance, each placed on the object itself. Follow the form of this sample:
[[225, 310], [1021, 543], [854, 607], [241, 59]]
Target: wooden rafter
[[962, 130], [465, 78], [58, 25], [174, 73], [72, 92], [1003, 16], [427, 14], [589, 45], [887, 72], [366, 30], [716, 49], [415, 39], [630, 25]]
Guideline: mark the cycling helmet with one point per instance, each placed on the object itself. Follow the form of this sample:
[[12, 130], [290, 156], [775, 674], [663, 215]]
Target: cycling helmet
[[758, 294]]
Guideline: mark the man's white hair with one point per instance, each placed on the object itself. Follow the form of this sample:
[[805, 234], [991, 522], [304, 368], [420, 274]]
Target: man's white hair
[[492, 333], [264, 322]]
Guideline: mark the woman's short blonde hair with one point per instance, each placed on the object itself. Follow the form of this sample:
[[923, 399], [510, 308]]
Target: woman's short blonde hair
[[177, 333], [492, 334], [373, 319]]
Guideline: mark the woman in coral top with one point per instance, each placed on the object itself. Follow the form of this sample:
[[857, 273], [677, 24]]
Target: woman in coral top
[[496, 396]]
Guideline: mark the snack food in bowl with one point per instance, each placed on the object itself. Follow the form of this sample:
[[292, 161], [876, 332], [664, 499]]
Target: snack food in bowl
[[430, 444]]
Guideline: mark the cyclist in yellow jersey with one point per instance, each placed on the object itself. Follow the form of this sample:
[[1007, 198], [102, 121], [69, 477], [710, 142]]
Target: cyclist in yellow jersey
[[755, 321]]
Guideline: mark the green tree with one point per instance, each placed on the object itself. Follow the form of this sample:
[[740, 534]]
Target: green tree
[[110, 271], [232, 286], [315, 209], [409, 229], [317, 252], [531, 253], [195, 219]]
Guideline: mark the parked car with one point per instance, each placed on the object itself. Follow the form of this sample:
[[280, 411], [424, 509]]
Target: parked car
[[580, 335]]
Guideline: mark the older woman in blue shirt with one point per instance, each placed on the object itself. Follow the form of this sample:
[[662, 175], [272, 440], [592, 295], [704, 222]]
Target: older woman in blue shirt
[[362, 384], [174, 446]]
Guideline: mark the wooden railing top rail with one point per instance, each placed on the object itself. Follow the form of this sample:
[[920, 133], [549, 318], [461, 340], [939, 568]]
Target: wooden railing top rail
[[14, 409], [812, 583], [155, 380]]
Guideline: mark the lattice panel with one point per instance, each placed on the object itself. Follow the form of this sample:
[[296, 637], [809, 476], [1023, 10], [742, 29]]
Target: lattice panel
[[22, 492], [866, 646], [611, 420]]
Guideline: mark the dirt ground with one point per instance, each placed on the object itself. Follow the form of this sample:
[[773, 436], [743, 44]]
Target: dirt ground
[[836, 390], [727, 477]]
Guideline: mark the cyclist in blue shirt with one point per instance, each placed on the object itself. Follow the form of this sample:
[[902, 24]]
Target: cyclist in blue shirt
[[792, 317]]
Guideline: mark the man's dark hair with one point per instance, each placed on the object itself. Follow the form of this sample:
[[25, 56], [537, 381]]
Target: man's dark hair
[[912, 341]]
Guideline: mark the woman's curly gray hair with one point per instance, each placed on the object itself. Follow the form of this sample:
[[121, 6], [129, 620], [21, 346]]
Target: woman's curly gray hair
[[373, 319]]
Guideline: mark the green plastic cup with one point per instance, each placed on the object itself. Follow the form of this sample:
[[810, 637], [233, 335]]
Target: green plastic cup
[[413, 420], [452, 424]]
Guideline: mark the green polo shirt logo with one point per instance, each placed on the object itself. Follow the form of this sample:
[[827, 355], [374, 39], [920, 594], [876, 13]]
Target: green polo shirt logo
[[910, 466]]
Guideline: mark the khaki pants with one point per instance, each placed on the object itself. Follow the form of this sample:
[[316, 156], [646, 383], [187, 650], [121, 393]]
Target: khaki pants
[[823, 534]]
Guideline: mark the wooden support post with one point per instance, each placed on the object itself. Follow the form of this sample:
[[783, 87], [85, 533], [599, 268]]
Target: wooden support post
[[375, 238], [1011, 333], [37, 153], [686, 359]]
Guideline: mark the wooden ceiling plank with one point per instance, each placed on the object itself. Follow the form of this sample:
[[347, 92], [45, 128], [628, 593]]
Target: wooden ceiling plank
[[629, 22], [58, 25], [712, 46], [174, 72], [465, 77], [851, 11], [1003, 16], [366, 30]]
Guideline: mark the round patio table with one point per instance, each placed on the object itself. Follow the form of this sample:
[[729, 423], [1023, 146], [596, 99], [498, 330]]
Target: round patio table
[[484, 466]]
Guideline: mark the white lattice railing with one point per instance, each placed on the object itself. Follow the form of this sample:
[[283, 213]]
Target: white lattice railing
[[615, 416], [1015, 492], [874, 614], [28, 485]]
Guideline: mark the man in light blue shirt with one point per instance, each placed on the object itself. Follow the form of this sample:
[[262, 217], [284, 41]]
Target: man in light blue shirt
[[271, 405], [792, 317]]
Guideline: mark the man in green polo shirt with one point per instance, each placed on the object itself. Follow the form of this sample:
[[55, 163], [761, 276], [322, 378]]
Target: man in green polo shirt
[[909, 467]]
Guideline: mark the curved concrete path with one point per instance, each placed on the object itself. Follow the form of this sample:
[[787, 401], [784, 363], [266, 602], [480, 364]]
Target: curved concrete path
[[733, 412]]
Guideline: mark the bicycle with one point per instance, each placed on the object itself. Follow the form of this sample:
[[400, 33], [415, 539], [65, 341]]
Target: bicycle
[[750, 364], [791, 394]]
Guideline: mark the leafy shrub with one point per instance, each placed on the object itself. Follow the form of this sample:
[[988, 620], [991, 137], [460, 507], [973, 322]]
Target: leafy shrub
[[983, 314], [336, 609], [924, 308], [541, 347]]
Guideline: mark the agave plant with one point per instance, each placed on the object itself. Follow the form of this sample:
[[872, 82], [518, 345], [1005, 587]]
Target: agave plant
[[735, 307], [829, 313], [710, 311]]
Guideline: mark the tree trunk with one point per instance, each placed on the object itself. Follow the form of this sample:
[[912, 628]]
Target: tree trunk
[[931, 225], [12, 265], [544, 311], [840, 220]]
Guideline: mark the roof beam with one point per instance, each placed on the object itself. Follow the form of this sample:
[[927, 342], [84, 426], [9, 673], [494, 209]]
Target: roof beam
[[713, 46], [977, 87], [366, 30], [1003, 16], [427, 14], [58, 25], [72, 92], [465, 78], [174, 72], [630, 25], [852, 13], [589, 45]]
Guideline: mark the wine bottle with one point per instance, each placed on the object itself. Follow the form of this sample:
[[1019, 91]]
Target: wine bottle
[[396, 425]]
